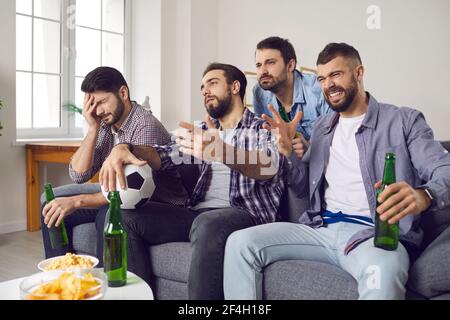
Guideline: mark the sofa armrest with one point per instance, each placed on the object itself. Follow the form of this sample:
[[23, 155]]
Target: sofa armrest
[[74, 189], [430, 274]]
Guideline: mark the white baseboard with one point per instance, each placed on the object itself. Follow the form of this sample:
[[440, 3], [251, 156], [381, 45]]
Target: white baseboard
[[14, 226]]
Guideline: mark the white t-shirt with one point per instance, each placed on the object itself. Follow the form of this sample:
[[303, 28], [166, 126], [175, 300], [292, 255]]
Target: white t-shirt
[[344, 187]]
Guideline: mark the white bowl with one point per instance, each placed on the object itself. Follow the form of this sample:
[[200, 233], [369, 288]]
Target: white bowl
[[45, 263], [31, 283]]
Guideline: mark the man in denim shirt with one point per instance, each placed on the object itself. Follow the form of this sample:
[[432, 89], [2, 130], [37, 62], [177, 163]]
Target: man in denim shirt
[[344, 165], [285, 88]]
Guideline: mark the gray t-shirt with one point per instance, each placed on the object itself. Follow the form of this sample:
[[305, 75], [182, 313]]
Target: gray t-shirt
[[218, 192]]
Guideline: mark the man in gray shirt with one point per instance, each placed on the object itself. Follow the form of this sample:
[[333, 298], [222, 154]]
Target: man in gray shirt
[[344, 164]]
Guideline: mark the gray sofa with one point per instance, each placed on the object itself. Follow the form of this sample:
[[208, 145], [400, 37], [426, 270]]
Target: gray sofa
[[429, 276]]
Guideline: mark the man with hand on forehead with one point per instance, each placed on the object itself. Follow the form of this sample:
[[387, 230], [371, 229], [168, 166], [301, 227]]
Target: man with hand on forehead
[[112, 118], [240, 183]]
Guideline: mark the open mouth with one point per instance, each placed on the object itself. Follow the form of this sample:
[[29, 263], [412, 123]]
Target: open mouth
[[336, 95]]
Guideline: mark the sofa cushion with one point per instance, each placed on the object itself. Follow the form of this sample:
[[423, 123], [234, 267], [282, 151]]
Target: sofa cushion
[[433, 223], [164, 289], [430, 274], [171, 260], [301, 279], [84, 239]]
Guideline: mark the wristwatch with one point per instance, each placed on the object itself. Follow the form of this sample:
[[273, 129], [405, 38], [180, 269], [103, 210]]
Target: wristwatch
[[429, 194]]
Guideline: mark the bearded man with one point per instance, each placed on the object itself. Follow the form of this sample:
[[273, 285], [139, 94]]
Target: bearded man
[[240, 183]]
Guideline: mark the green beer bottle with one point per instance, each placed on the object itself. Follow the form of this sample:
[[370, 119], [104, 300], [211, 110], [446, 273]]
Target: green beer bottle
[[285, 117], [386, 235], [115, 244], [58, 234]]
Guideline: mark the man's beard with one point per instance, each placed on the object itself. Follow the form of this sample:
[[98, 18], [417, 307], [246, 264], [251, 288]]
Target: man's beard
[[118, 112], [222, 109], [349, 94], [274, 86]]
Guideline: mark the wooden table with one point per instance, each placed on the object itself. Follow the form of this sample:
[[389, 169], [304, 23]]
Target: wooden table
[[59, 152]]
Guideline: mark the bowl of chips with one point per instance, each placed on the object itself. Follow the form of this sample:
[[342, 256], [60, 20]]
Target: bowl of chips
[[69, 261], [79, 284]]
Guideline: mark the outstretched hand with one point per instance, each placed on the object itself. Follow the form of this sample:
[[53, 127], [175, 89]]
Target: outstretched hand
[[202, 144], [285, 131]]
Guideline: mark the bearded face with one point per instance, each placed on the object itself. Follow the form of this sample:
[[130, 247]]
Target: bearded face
[[116, 113], [218, 107], [340, 98]]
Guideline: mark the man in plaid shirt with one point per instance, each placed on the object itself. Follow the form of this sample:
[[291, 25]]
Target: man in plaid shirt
[[112, 118], [240, 184]]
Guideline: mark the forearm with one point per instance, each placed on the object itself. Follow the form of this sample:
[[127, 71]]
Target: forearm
[[253, 164], [83, 158], [95, 200], [148, 154]]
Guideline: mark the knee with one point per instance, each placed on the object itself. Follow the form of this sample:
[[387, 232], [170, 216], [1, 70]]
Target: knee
[[206, 226], [388, 275], [241, 242]]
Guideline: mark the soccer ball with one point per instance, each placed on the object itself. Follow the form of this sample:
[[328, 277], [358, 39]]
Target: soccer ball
[[138, 189]]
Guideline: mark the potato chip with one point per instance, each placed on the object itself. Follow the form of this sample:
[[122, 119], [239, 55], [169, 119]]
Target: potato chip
[[67, 286]]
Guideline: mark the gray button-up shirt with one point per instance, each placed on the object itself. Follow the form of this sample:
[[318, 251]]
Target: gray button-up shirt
[[420, 161]]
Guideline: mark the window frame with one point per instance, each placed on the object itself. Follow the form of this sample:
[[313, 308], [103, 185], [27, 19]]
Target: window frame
[[67, 129]]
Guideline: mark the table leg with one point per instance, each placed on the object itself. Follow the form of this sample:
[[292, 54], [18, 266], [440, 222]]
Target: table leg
[[33, 201]]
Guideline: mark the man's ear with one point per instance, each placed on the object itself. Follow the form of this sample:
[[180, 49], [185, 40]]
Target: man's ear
[[291, 65], [360, 72], [236, 87], [123, 93]]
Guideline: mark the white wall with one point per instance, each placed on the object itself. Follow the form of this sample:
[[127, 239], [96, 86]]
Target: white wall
[[12, 159], [407, 60], [145, 53], [189, 43]]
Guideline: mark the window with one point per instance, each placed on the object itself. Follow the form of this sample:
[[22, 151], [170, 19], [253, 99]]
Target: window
[[57, 43]]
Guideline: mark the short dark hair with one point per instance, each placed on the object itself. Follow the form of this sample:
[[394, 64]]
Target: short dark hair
[[103, 79], [231, 74], [333, 50], [280, 44]]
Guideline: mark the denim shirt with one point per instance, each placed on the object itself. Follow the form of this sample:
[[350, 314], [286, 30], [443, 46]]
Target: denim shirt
[[308, 97], [420, 161]]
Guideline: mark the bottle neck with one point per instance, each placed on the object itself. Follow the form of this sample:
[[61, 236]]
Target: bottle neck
[[114, 210], [49, 195], [389, 172]]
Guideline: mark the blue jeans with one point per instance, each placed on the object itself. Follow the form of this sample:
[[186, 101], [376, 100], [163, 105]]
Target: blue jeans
[[380, 274]]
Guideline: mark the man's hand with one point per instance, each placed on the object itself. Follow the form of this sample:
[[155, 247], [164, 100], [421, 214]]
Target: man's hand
[[113, 166], [285, 132], [55, 211], [205, 145], [399, 200], [300, 146], [89, 112]]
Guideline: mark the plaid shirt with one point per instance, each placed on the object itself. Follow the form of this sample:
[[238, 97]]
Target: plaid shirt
[[141, 128], [261, 198]]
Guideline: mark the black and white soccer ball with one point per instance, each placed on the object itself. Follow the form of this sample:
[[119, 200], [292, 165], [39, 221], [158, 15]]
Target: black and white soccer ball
[[138, 189]]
